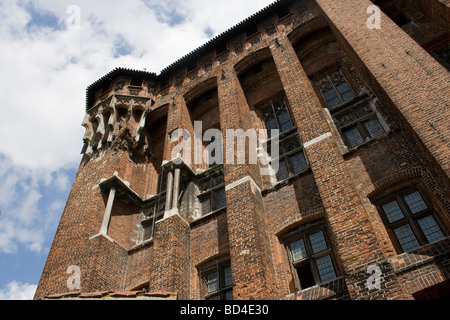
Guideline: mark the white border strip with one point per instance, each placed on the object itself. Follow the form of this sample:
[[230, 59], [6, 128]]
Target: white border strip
[[239, 182], [317, 140]]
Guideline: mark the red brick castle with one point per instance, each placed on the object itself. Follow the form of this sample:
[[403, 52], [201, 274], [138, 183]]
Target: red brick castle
[[358, 207]]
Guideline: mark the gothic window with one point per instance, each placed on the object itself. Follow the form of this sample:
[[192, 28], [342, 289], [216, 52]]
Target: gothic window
[[311, 256], [335, 89], [410, 219], [276, 117], [291, 158], [212, 192], [218, 282], [358, 123], [355, 117]]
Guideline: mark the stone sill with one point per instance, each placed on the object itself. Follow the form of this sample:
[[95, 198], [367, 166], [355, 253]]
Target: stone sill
[[321, 291], [208, 215], [422, 256]]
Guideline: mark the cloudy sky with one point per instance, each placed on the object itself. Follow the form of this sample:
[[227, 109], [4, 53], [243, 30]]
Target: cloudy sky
[[51, 51]]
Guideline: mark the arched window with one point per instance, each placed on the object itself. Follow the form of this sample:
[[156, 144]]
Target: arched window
[[410, 218]]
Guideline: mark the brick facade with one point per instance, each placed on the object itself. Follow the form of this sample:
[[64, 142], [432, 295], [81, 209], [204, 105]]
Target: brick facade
[[139, 220]]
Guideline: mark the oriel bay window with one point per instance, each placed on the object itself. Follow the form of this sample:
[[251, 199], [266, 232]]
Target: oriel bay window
[[410, 219], [355, 116], [311, 256], [291, 157]]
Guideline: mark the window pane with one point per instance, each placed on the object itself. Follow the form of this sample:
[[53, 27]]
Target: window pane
[[214, 298], [285, 121], [345, 91], [406, 238], [431, 229], [415, 202], [374, 127], [229, 295], [221, 199], [271, 123], [228, 278], [318, 242], [393, 211], [298, 250], [331, 98], [329, 95], [282, 170], [326, 269], [291, 144], [298, 162], [213, 282], [354, 137]]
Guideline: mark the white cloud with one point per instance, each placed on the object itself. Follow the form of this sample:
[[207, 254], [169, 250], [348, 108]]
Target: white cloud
[[25, 220], [18, 291]]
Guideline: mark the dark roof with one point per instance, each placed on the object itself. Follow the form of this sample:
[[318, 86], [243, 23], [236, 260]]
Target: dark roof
[[112, 75], [217, 41], [230, 33]]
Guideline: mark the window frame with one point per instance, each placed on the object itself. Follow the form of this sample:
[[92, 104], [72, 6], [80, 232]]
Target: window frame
[[336, 91], [409, 218], [283, 137], [150, 215], [214, 188], [358, 121], [350, 106], [223, 288], [304, 233]]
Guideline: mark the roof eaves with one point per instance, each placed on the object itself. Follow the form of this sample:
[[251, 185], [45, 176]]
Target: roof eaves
[[236, 28]]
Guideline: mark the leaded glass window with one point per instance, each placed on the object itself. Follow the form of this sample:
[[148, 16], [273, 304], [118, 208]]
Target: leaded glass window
[[411, 218], [355, 117], [311, 256]]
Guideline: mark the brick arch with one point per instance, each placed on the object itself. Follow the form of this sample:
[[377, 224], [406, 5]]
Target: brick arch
[[209, 257], [294, 222], [201, 88], [393, 180], [307, 29], [409, 175], [156, 114], [252, 59]]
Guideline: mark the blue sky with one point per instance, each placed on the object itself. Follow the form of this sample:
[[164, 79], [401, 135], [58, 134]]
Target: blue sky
[[51, 51]]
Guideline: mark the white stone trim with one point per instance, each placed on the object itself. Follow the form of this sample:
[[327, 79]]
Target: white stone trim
[[318, 139], [241, 181]]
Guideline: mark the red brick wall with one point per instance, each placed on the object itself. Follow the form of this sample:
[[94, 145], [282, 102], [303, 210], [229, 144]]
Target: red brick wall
[[413, 92]]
